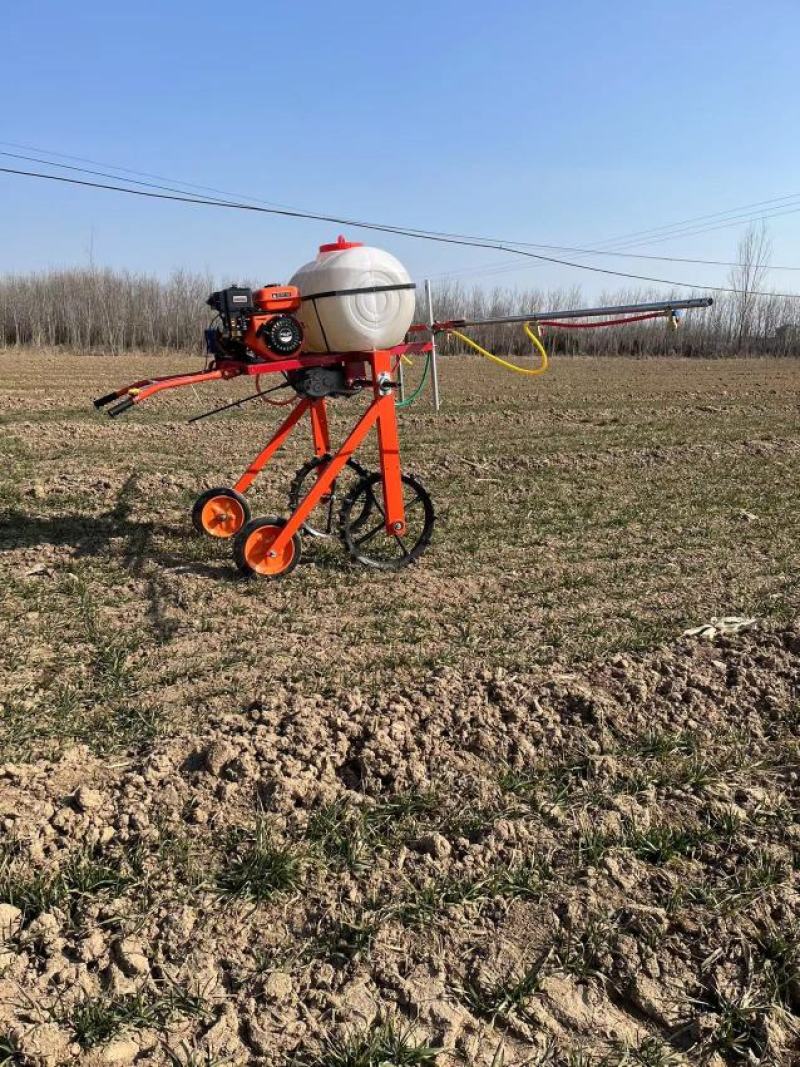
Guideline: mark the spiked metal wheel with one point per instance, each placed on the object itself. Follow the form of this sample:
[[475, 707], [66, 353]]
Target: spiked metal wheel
[[321, 521], [368, 542]]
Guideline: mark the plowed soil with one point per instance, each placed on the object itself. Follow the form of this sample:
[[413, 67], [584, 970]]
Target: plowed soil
[[494, 810]]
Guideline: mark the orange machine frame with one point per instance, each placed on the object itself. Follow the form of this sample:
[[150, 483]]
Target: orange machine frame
[[380, 414]]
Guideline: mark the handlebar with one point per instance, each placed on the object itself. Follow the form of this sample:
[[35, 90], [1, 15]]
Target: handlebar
[[123, 405], [136, 392]]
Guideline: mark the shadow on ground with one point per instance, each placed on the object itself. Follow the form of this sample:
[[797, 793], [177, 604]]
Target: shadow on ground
[[90, 535]]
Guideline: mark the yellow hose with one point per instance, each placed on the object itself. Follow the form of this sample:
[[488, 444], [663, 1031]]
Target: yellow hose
[[537, 344]]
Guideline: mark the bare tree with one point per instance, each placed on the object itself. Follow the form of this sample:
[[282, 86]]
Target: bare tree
[[753, 253], [118, 311]]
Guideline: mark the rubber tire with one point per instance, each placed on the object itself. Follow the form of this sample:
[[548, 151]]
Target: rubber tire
[[203, 499], [240, 546]]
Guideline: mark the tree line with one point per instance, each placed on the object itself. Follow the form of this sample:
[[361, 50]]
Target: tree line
[[114, 311]]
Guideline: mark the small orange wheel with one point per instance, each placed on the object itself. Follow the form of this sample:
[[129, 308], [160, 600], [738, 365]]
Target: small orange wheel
[[253, 546], [220, 513]]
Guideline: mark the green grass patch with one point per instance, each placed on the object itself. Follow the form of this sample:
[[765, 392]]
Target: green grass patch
[[348, 834], [582, 951], [11, 1054], [739, 1032], [385, 1044], [259, 869], [82, 876], [96, 1020], [425, 904], [507, 996], [778, 966]]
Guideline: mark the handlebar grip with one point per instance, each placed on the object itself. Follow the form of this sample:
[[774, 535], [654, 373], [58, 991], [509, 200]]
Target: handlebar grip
[[123, 405], [103, 400]]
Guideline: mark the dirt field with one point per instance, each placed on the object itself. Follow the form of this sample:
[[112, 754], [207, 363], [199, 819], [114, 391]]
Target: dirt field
[[493, 810]]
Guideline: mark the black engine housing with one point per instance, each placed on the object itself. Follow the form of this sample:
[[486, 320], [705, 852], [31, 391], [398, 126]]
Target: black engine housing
[[317, 382]]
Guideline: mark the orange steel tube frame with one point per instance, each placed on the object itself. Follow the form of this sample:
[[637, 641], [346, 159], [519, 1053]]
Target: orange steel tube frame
[[319, 428], [319, 434], [278, 438], [381, 414]]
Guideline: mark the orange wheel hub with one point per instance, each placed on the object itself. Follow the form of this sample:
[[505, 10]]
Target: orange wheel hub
[[222, 516], [257, 549]]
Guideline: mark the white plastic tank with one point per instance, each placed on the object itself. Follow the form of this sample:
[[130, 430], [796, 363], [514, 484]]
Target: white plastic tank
[[355, 299]]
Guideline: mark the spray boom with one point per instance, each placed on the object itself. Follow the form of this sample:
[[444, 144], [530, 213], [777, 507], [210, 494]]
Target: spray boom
[[665, 308]]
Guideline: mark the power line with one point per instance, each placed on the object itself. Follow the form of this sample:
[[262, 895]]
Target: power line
[[176, 188], [639, 255], [691, 232], [627, 238], [181, 188], [142, 174], [740, 221], [508, 265], [100, 174], [383, 228]]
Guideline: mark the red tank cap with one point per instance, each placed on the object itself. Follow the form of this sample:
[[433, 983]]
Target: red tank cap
[[340, 245]]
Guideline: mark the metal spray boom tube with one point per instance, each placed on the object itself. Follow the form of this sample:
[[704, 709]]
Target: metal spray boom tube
[[582, 313]]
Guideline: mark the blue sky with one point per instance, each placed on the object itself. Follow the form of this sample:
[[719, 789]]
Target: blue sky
[[566, 123]]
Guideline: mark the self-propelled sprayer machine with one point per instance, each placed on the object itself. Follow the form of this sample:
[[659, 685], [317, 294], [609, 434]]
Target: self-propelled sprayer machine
[[339, 329]]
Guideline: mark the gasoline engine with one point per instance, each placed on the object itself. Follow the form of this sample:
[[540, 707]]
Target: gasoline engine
[[261, 324], [255, 325]]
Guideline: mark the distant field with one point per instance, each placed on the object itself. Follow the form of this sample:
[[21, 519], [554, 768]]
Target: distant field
[[341, 739], [607, 506]]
